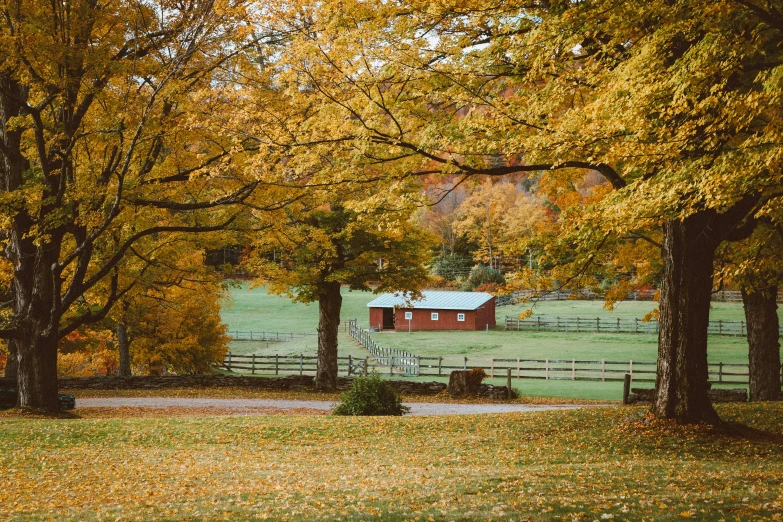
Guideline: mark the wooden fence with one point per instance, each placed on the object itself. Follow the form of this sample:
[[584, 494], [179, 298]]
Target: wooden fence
[[389, 358], [724, 296], [543, 369], [251, 335], [287, 364], [598, 324]]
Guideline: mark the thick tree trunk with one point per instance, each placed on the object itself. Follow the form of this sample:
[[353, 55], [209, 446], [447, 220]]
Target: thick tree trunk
[[123, 343], [763, 344], [37, 377], [682, 381], [329, 305], [12, 364]]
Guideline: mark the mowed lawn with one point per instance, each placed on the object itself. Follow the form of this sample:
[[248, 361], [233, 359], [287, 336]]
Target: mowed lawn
[[595, 464], [255, 309]]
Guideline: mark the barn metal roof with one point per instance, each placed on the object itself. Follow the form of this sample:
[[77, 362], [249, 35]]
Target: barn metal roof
[[433, 300]]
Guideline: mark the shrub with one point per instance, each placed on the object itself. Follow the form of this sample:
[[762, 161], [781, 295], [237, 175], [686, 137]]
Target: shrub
[[450, 266], [482, 275], [370, 395]]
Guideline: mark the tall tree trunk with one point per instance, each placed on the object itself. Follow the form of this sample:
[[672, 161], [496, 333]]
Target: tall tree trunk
[[682, 381], [329, 304], [123, 343], [763, 344], [12, 364], [37, 377], [37, 312]]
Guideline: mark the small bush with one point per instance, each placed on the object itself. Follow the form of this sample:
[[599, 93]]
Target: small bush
[[370, 395], [482, 275]]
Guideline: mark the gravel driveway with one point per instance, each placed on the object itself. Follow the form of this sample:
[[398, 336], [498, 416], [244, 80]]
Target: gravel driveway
[[248, 406]]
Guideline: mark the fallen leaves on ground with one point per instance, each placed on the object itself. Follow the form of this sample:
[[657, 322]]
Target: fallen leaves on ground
[[252, 393], [592, 464]]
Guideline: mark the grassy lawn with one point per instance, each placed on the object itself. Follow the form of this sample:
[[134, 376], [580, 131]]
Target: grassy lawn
[[624, 309], [550, 345], [597, 464], [255, 309]]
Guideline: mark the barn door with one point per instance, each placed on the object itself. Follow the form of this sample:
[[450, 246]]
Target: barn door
[[388, 318]]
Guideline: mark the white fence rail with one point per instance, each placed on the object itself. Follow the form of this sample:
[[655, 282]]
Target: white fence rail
[[542, 369], [724, 296], [618, 325], [251, 335]]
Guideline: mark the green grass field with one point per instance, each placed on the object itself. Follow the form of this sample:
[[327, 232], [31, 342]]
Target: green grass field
[[597, 464], [256, 309]]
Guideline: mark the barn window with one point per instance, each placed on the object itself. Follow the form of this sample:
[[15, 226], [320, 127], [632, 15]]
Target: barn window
[[460, 317], [408, 315], [434, 316]]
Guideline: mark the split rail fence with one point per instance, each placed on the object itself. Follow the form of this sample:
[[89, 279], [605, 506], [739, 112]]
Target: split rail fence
[[618, 325], [401, 363], [542, 369], [251, 335], [585, 294]]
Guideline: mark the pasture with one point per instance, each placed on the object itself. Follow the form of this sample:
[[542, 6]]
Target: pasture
[[256, 309], [594, 464]]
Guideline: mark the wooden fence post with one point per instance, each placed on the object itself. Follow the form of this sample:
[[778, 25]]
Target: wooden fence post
[[253, 365], [301, 364], [597, 324], [626, 388], [720, 372], [573, 369], [277, 365], [465, 365], [228, 366], [366, 363], [603, 370], [492, 367], [546, 368], [349, 363], [519, 375], [391, 365], [508, 383], [440, 362]]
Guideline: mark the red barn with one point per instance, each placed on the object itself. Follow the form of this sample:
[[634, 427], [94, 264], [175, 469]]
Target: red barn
[[435, 311]]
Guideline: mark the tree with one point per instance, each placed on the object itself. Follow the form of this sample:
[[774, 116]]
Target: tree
[[106, 148], [320, 245], [170, 320], [755, 265], [677, 105]]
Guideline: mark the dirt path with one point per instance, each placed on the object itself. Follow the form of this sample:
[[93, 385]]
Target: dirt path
[[254, 406]]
